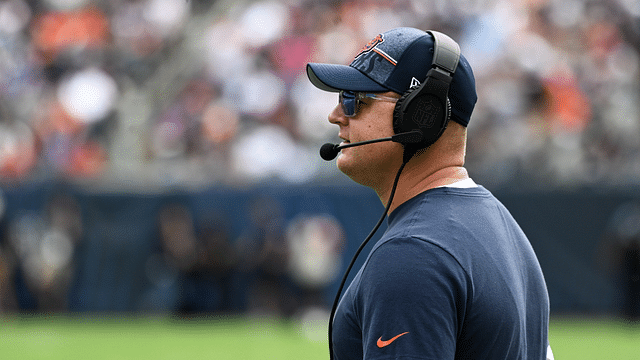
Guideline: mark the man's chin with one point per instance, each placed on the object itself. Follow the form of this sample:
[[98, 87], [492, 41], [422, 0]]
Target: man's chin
[[355, 173], [345, 165]]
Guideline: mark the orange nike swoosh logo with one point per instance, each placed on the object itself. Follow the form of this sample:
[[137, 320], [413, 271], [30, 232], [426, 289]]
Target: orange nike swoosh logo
[[382, 343]]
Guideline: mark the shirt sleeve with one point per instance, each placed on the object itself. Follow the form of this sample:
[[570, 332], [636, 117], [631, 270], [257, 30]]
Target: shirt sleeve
[[412, 301]]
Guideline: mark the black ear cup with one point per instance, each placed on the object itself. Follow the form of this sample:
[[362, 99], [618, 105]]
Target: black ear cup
[[398, 116], [420, 109], [426, 107]]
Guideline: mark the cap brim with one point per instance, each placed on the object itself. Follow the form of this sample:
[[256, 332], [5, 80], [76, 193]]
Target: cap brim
[[334, 78]]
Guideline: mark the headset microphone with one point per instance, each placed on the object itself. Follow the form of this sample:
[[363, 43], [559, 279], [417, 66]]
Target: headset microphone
[[329, 151]]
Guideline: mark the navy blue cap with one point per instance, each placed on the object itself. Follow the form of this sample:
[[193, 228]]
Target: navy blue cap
[[393, 61]]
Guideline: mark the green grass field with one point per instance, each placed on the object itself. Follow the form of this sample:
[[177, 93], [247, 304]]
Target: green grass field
[[585, 338], [157, 338]]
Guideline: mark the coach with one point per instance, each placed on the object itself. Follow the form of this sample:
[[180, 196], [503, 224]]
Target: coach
[[454, 276]]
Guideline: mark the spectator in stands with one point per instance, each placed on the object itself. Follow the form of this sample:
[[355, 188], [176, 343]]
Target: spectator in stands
[[263, 260], [622, 244], [184, 250], [39, 255], [316, 244]]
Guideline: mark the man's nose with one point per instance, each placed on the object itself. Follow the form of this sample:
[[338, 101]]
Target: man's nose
[[337, 116]]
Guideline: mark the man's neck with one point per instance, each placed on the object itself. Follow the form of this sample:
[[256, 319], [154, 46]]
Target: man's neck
[[413, 182], [440, 164]]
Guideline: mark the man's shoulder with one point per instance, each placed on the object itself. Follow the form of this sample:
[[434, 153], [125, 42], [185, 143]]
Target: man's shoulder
[[441, 211], [448, 194], [402, 259]]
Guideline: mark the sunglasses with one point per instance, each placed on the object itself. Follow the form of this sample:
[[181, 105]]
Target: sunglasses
[[351, 100]]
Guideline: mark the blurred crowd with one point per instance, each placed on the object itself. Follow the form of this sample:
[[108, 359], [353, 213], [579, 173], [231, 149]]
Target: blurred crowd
[[162, 92], [184, 263], [274, 267]]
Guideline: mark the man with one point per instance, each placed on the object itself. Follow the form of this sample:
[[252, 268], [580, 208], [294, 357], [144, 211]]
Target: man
[[454, 276]]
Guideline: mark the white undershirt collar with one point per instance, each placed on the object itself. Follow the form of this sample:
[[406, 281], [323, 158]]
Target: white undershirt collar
[[462, 184]]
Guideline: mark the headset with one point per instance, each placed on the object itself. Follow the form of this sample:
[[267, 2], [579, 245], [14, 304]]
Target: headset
[[419, 118], [426, 106]]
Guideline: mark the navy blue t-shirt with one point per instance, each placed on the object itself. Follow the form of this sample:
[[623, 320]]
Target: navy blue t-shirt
[[453, 277]]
